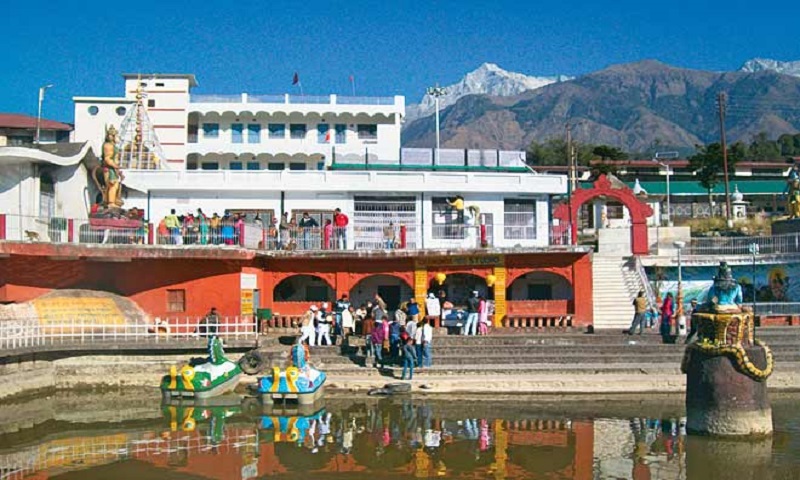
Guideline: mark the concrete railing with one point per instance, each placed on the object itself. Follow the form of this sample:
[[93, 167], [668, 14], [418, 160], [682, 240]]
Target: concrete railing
[[30, 333]]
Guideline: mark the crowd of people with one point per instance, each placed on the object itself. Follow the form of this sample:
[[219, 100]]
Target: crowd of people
[[400, 337], [646, 317], [199, 229]]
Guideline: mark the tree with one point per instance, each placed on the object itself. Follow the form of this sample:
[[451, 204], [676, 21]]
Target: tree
[[764, 149], [786, 144], [607, 152], [707, 165], [554, 152]]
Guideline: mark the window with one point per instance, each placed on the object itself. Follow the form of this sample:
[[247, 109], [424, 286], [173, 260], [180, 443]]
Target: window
[[176, 300], [159, 84], [341, 133], [19, 140], [297, 166], [235, 165], [320, 165], [367, 132], [191, 133], [253, 133], [317, 293], [520, 219], [323, 133], [277, 131], [448, 223], [151, 103], [253, 166], [211, 130], [121, 111], [143, 84], [93, 110], [275, 166], [297, 131], [210, 166], [236, 133], [47, 196]]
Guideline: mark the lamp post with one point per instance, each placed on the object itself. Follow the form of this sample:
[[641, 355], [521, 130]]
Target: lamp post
[[754, 249], [436, 92], [39, 114], [679, 315], [657, 159]]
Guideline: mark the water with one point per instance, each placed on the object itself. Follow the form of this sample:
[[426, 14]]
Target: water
[[92, 436]]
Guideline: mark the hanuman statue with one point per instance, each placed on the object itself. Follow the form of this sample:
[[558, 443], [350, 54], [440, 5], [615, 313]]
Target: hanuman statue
[[112, 175]]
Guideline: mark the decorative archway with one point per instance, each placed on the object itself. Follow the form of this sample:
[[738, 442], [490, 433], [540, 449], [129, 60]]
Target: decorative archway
[[552, 286], [603, 187], [393, 288], [459, 285], [303, 288]]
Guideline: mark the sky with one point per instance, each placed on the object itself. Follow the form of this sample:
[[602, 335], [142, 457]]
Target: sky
[[390, 47]]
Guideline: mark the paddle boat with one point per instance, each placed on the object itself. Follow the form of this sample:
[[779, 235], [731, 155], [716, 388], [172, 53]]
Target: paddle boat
[[214, 376], [300, 381]]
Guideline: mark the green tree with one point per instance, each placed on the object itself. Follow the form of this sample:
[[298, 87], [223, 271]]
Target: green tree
[[554, 152], [707, 165], [763, 148], [607, 152], [786, 144]]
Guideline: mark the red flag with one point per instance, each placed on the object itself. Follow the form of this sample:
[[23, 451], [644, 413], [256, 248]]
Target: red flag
[[295, 79], [352, 79], [328, 136]]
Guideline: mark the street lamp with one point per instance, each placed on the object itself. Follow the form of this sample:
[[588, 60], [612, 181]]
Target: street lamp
[[679, 315], [39, 114], [754, 251], [436, 92], [656, 158]]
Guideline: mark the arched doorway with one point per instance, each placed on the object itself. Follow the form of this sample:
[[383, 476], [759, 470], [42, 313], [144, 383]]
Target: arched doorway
[[303, 288], [459, 287], [540, 286], [567, 214], [393, 290]]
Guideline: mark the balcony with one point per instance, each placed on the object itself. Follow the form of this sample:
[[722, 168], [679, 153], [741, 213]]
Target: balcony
[[302, 104]]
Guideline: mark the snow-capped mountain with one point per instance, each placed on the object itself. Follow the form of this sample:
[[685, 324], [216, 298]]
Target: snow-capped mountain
[[760, 64], [487, 79]]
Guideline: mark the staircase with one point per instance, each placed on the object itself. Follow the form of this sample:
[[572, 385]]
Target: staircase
[[616, 283]]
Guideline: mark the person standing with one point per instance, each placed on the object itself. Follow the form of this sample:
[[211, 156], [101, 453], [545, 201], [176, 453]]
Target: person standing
[[472, 315], [327, 235], [307, 224], [432, 306], [348, 322], [307, 326], [340, 222], [324, 324], [389, 236], [377, 337], [342, 306], [483, 316], [640, 311], [426, 337], [283, 231], [413, 309], [667, 311], [173, 224], [394, 336], [409, 359]]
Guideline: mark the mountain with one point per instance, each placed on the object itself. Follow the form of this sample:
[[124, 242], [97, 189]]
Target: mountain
[[487, 79], [635, 106], [761, 64]]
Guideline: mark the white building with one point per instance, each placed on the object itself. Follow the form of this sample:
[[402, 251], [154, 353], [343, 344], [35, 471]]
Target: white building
[[249, 132]]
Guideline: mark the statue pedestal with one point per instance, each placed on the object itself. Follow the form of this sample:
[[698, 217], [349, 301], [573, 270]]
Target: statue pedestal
[[723, 401]]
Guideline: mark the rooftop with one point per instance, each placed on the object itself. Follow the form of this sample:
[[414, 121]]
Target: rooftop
[[145, 76], [18, 120]]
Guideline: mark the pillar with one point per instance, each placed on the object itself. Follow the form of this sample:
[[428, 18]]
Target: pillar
[[584, 449], [421, 285], [500, 306], [639, 244], [500, 450], [343, 283]]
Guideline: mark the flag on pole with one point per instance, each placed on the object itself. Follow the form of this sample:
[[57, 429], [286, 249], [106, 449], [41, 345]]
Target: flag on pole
[[353, 84], [295, 79]]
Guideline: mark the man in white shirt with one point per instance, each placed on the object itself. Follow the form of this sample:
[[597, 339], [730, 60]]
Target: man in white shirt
[[307, 329], [433, 307], [425, 333]]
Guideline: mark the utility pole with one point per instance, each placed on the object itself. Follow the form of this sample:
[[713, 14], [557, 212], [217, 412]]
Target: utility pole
[[721, 103], [436, 92], [570, 180]]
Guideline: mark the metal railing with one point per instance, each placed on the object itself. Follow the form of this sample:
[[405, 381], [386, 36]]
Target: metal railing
[[33, 332], [775, 244], [775, 308], [365, 233]]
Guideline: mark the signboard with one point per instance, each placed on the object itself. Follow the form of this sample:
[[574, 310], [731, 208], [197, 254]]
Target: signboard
[[461, 261], [93, 310], [247, 303], [248, 281]]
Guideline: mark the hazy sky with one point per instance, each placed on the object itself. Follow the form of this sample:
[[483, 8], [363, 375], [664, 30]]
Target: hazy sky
[[390, 47]]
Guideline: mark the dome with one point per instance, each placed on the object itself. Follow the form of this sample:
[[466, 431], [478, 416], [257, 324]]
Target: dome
[[737, 196]]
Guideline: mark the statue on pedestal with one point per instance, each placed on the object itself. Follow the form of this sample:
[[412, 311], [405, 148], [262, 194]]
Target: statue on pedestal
[[108, 175], [793, 192], [726, 392]]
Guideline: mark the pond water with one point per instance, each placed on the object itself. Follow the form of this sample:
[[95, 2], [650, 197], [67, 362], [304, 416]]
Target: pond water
[[120, 436]]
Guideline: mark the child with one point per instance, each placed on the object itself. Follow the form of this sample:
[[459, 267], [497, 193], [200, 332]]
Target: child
[[327, 235], [409, 359]]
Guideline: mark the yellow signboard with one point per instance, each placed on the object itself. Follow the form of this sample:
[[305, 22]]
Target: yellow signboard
[[247, 302], [461, 261], [91, 310]]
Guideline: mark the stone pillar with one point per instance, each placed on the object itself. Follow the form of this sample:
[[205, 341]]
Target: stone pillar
[[500, 305], [722, 401]]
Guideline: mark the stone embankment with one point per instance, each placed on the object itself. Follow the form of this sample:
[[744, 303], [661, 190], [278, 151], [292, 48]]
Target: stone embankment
[[532, 363]]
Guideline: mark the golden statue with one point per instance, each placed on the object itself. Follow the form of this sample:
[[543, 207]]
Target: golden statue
[[112, 175], [793, 205]]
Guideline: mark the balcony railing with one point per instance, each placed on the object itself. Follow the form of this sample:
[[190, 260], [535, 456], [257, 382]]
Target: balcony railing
[[217, 232], [775, 244], [293, 99]]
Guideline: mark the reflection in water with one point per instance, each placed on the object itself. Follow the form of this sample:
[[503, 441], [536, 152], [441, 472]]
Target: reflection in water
[[387, 439]]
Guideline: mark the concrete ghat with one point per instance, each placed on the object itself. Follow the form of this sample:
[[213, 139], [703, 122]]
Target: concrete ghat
[[94, 371]]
